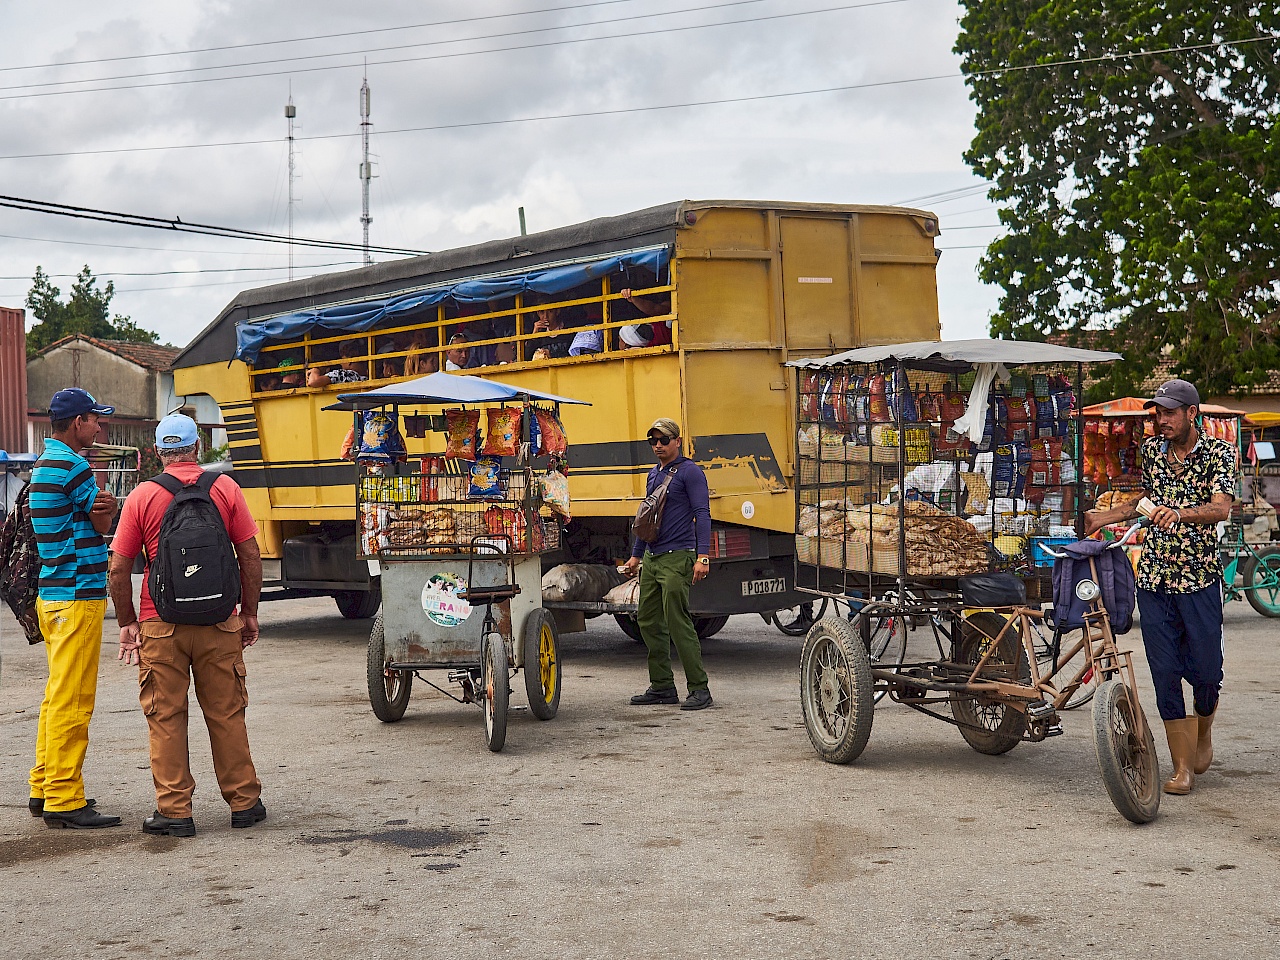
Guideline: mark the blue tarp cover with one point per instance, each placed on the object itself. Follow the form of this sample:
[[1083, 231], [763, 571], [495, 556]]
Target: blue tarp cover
[[361, 317], [442, 388]]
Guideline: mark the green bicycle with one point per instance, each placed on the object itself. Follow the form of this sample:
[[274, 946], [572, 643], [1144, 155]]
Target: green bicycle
[[1255, 567]]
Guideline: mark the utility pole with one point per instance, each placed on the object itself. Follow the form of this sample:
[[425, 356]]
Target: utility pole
[[366, 168], [290, 112]]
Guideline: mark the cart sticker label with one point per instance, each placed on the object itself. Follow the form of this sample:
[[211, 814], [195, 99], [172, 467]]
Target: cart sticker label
[[748, 509], [440, 600], [813, 280], [758, 588]]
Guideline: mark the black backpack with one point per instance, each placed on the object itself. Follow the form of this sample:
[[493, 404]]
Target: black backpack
[[20, 566], [195, 577]]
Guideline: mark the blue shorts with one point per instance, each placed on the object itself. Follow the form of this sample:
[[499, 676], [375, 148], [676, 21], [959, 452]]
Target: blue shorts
[[1183, 636]]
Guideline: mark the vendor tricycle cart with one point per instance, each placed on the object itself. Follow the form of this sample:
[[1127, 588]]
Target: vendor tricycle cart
[[457, 538], [938, 485]]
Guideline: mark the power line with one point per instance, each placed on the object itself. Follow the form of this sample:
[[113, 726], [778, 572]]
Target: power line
[[172, 273], [176, 224], [126, 246], [322, 36], [466, 53], [401, 46]]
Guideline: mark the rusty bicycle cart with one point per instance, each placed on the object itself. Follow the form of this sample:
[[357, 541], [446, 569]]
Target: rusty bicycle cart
[[937, 484], [458, 542]]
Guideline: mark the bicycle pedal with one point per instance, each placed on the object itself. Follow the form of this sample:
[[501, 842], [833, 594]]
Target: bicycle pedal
[[1054, 731], [1041, 710]]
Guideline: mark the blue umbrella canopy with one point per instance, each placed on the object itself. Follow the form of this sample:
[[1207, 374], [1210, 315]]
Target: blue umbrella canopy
[[443, 388]]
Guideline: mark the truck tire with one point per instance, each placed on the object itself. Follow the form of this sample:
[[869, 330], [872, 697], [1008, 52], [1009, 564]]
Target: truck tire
[[708, 627], [360, 604]]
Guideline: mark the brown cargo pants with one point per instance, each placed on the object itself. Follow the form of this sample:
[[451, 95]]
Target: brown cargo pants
[[171, 655]]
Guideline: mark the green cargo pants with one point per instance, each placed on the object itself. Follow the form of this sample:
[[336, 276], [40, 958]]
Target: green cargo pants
[[663, 615]]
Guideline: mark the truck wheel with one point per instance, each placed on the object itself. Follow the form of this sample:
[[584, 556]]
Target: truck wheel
[[708, 627], [630, 626], [541, 667], [360, 604], [388, 689]]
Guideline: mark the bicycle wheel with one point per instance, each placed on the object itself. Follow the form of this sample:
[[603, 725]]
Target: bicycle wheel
[[1068, 669], [987, 725], [495, 690], [796, 621], [885, 638], [1129, 765], [1262, 581], [835, 691]]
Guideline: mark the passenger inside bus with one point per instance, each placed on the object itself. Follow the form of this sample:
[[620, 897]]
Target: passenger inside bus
[[643, 334], [421, 362], [457, 357], [551, 320], [349, 371]]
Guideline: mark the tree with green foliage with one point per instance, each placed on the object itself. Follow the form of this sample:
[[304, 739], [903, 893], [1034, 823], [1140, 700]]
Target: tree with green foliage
[[86, 311], [1133, 152]]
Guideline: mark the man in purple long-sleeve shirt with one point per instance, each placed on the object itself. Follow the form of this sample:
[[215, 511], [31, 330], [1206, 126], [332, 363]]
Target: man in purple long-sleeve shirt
[[676, 560]]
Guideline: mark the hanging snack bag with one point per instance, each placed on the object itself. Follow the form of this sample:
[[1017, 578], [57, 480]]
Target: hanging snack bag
[[927, 406], [380, 438], [486, 479], [555, 491], [877, 401], [1019, 415], [810, 387], [502, 438], [462, 428], [1009, 470], [902, 402], [551, 438], [952, 405], [857, 400]]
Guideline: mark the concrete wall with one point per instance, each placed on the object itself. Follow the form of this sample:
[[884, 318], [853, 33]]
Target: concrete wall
[[131, 389]]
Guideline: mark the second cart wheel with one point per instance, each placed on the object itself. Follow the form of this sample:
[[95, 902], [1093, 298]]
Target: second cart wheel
[[708, 627], [989, 726], [360, 604], [388, 689], [1128, 761], [630, 626], [495, 688], [1261, 577], [836, 690], [885, 638], [542, 671], [796, 621]]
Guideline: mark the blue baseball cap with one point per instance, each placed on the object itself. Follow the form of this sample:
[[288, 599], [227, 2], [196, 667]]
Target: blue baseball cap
[[174, 431], [74, 402]]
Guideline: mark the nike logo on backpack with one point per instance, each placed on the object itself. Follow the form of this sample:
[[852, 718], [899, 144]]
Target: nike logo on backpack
[[191, 569]]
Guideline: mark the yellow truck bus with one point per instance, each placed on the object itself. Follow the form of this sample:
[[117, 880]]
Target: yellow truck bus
[[687, 310]]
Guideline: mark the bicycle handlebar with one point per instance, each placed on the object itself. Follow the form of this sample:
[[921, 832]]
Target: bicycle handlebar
[[1111, 546]]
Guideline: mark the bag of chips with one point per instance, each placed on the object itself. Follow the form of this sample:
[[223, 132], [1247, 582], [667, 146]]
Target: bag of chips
[[1009, 470], [380, 438], [486, 479], [877, 400], [555, 491], [952, 405], [502, 438], [551, 438], [462, 428], [810, 388]]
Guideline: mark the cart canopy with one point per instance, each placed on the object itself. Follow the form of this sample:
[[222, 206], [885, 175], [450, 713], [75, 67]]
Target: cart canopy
[[949, 354], [1133, 407], [443, 388]]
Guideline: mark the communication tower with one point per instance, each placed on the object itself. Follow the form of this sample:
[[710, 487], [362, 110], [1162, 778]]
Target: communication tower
[[290, 113], [366, 168]]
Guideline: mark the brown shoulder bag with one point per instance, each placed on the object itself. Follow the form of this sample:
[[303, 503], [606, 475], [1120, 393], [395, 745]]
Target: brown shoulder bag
[[648, 519]]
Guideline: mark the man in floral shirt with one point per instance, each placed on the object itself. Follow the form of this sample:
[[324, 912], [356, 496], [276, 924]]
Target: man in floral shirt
[[1192, 480]]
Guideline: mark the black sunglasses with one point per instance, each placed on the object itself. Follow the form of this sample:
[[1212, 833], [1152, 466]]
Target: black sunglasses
[[660, 441]]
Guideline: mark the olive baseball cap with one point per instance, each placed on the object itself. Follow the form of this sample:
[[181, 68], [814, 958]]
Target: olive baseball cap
[[1174, 393], [665, 426]]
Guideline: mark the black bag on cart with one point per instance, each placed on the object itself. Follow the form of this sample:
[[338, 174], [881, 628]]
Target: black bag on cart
[[992, 590]]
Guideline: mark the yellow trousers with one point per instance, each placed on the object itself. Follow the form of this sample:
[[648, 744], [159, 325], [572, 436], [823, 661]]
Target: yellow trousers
[[73, 641]]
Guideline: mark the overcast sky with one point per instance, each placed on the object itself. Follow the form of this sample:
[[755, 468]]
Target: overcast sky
[[897, 143]]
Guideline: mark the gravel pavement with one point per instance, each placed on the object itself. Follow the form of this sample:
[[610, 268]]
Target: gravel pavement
[[620, 831]]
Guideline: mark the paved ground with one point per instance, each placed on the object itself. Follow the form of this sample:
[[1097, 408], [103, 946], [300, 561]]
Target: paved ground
[[615, 831]]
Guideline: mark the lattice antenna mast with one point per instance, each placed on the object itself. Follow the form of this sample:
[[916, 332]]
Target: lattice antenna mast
[[366, 168], [290, 113]]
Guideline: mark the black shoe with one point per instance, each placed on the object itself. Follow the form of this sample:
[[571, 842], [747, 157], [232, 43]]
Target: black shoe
[[247, 818], [697, 700], [656, 696], [163, 826], [36, 805], [86, 818]]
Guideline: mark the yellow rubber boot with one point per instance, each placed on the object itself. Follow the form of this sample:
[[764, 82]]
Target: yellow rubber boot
[[1204, 741], [1182, 735]]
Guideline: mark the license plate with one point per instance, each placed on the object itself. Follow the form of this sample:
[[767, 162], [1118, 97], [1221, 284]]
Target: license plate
[[758, 588]]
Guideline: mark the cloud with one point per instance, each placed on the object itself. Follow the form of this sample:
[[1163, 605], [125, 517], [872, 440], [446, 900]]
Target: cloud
[[447, 187]]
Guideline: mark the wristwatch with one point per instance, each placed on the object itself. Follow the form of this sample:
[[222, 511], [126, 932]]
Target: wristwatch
[[705, 561]]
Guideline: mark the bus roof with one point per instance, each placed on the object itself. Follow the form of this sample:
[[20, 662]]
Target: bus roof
[[602, 236]]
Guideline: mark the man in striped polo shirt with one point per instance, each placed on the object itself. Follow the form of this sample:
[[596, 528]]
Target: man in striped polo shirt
[[70, 515]]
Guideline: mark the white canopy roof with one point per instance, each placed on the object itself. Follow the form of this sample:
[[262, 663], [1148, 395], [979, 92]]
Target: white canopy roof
[[1008, 352]]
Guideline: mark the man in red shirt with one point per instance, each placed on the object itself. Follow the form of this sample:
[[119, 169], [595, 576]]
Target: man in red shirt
[[168, 654]]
